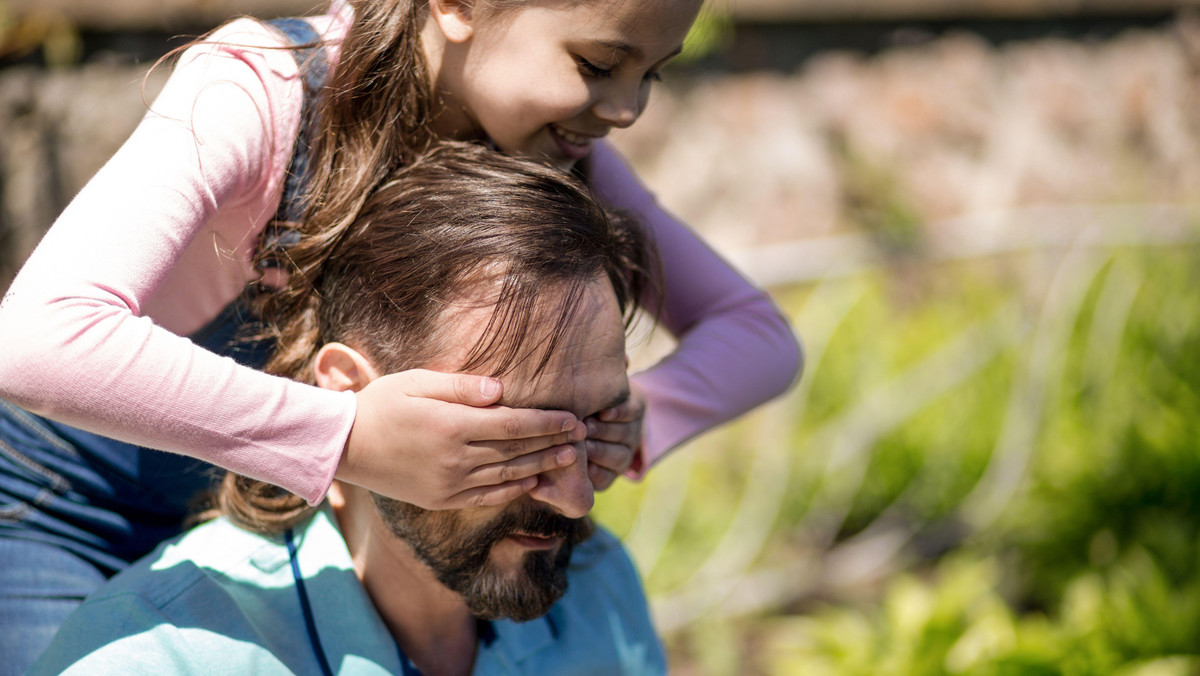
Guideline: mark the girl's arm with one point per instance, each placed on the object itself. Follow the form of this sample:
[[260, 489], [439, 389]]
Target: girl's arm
[[166, 228], [78, 344], [735, 350]]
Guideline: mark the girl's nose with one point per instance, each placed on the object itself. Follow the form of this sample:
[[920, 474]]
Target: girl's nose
[[567, 489], [621, 106]]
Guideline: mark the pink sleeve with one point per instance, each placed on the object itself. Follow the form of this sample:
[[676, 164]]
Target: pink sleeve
[[76, 344], [735, 350]]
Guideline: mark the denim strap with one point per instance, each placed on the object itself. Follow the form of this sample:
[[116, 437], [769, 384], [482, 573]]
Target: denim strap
[[313, 62]]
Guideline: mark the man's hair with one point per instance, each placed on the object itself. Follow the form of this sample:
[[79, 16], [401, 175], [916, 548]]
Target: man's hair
[[458, 220]]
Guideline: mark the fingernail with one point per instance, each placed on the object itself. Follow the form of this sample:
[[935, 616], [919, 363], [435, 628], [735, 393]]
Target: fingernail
[[490, 387], [569, 424], [565, 456], [580, 433], [528, 483]]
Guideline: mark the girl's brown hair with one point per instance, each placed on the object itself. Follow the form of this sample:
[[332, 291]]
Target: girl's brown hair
[[457, 216], [372, 116]]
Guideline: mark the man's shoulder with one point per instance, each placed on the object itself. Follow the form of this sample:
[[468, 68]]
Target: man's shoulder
[[217, 549], [175, 606], [602, 559], [604, 584]]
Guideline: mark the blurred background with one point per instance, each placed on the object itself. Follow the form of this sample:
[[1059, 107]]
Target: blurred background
[[981, 217]]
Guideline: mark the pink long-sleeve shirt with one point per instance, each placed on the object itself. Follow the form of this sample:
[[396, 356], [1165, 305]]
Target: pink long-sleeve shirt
[[161, 239]]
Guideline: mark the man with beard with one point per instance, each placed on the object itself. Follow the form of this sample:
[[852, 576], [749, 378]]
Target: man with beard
[[465, 261]]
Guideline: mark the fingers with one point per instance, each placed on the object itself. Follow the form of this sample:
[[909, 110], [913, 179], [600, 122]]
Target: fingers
[[499, 423], [522, 466], [632, 409], [477, 423], [601, 477], [486, 452], [614, 435], [613, 457], [620, 413], [625, 433], [491, 496], [456, 388]]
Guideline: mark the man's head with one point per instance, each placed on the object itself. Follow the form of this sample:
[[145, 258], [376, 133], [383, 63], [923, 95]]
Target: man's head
[[510, 561], [475, 262]]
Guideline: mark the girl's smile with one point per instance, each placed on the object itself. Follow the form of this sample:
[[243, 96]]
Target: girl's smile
[[571, 145]]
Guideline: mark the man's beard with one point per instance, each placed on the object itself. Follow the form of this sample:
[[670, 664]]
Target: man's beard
[[459, 559]]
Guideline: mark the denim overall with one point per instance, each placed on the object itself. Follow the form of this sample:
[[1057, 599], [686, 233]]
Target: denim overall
[[75, 507]]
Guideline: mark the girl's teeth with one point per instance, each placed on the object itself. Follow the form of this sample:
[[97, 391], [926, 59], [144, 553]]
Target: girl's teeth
[[574, 139]]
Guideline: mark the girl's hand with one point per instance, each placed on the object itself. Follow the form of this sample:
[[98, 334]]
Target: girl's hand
[[437, 440], [614, 437]]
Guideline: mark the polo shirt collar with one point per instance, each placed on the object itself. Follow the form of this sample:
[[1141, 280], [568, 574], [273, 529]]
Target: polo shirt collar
[[348, 624]]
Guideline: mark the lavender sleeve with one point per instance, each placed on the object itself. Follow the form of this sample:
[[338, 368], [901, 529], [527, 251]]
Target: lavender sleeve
[[162, 235], [735, 350]]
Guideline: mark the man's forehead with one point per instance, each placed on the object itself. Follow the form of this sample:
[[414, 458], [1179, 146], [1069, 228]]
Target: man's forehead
[[584, 370]]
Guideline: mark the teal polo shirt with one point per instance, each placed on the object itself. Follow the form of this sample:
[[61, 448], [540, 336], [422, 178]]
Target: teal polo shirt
[[221, 600]]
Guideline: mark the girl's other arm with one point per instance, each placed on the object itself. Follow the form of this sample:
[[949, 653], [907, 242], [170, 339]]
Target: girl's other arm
[[735, 350]]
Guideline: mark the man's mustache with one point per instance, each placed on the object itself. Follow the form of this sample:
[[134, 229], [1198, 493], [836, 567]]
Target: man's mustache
[[539, 522]]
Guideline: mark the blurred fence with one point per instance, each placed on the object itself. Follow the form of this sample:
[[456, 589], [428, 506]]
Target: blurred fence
[[135, 14]]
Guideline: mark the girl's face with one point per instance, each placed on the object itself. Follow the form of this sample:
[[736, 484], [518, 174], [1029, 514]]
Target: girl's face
[[549, 77]]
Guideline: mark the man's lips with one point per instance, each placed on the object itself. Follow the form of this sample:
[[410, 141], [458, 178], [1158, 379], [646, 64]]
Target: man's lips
[[532, 541]]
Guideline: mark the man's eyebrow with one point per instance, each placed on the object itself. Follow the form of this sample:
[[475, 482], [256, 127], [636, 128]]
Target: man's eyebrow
[[626, 49], [616, 401], [620, 398]]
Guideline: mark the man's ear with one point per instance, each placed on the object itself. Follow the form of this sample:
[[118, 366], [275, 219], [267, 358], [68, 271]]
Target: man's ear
[[341, 367], [455, 18]]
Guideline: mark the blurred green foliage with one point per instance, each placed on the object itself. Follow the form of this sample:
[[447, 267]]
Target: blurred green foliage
[[991, 466], [875, 200]]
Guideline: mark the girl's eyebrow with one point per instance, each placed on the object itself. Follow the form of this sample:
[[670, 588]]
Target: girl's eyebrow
[[625, 49]]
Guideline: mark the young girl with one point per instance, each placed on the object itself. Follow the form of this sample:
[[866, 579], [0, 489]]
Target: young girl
[[163, 241]]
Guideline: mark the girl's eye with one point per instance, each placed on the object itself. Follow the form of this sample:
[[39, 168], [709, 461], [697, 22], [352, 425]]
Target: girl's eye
[[592, 70], [653, 76]]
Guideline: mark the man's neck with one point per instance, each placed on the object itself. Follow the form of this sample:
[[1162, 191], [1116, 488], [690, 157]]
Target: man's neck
[[430, 623]]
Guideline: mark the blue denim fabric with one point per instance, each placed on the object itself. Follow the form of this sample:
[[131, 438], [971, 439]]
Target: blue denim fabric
[[41, 585], [76, 507]]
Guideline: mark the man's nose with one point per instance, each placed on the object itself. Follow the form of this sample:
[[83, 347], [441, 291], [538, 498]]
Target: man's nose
[[567, 489]]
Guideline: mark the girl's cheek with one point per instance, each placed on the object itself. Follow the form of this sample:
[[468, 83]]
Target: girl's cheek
[[574, 100]]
